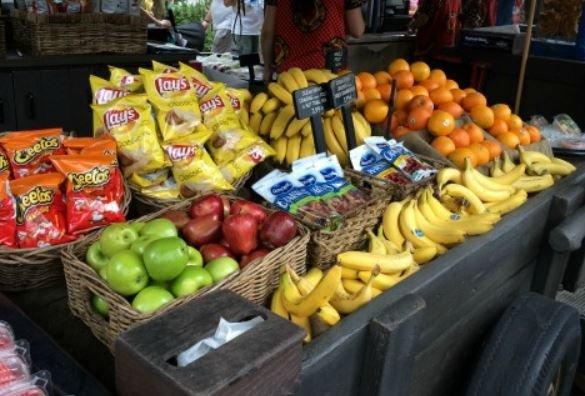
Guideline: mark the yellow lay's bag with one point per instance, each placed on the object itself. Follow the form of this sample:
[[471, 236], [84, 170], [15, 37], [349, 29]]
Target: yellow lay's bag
[[125, 80], [177, 109], [245, 160], [162, 68], [150, 179], [198, 80], [129, 121], [168, 189], [229, 138], [193, 168], [104, 92]]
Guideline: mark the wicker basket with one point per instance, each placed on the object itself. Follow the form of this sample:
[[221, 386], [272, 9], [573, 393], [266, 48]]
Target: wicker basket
[[145, 205], [33, 268], [255, 282], [79, 33]]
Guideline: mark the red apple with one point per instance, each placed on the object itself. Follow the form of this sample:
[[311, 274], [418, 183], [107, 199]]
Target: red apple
[[256, 254], [214, 250], [202, 230], [246, 207], [206, 205], [178, 217], [241, 233], [278, 229]]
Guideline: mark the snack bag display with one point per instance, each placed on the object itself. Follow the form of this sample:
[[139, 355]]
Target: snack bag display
[[95, 191], [161, 68], [125, 80], [4, 164], [74, 145], [193, 168], [198, 80], [29, 151], [40, 211], [7, 214], [150, 179], [129, 121], [228, 138], [365, 160], [245, 160], [168, 189], [103, 91], [104, 146], [177, 110]]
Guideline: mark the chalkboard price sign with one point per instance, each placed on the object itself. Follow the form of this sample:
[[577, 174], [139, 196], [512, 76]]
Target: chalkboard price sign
[[336, 59], [342, 90], [310, 101]]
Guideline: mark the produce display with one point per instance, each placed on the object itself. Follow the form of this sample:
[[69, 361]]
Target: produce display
[[182, 252], [54, 188]]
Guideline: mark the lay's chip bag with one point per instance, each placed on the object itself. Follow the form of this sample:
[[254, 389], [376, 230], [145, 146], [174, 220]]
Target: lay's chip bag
[[161, 68], [198, 80], [245, 160], [168, 189], [177, 110], [129, 121], [103, 91], [125, 80]]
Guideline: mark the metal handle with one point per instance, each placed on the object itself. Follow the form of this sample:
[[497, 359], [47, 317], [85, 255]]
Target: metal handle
[[568, 236], [30, 105]]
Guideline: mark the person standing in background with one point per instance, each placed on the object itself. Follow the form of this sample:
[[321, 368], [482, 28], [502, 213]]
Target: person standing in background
[[247, 21], [221, 18]]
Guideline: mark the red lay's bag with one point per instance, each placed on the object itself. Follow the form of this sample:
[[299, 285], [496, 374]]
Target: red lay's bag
[[29, 151], [7, 214], [40, 211], [95, 191]]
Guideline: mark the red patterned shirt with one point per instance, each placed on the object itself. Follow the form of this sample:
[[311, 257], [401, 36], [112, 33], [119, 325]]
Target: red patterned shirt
[[303, 37]]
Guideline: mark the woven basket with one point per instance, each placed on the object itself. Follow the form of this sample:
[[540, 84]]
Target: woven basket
[[255, 282], [145, 205], [60, 34], [33, 268]]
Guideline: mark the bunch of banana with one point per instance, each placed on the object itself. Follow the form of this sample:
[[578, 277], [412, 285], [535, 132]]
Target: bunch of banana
[[505, 170], [272, 116], [244, 113], [540, 164]]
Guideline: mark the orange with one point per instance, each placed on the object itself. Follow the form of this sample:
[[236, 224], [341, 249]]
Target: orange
[[421, 101], [473, 99], [420, 70], [469, 90], [502, 111], [368, 80], [372, 94], [361, 100], [452, 108], [441, 123], [404, 79], [494, 148], [417, 119], [460, 137], [534, 134], [419, 90], [398, 65], [441, 95], [509, 139], [400, 131], [430, 84], [514, 122], [375, 111], [483, 116], [385, 91], [382, 77], [398, 119], [482, 153], [358, 84], [458, 95], [458, 157], [402, 98], [443, 145], [499, 126], [523, 135], [475, 132], [438, 76], [451, 85]]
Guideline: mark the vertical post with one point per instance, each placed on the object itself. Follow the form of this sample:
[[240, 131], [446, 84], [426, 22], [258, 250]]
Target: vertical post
[[318, 134], [525, 55], [349, 129]]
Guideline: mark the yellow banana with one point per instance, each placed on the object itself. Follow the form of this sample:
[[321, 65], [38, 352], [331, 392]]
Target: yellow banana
[[507, 164], [376, 246], [364, 261], [281, 122], [329, 113], [279, 145], [299, 77], [447, 175], [293, 148], [295, 126], [515, 201], [424, 255], [559, 161], [255, 122], [390, 223], [276, 304], [267, 123], [532, 157], [258, 102], [490, 183], [459, 191], [486, 194], [288, 82], [411, 231], [279, 92], [382, 282], [318, 297], [271, 105], [357, 300], [305, 285], [555, 169], [307, 146], [442, 235], [510, 177], [316, 76], [496, 168], [245, 116], [304, 323], [307, 130], [354, 286], [347, 273], [533, 184], [363, 122], [333, 145], [246, 95], [441, 211], [339, 130], [313, 276], [391, 248], [329, 74]]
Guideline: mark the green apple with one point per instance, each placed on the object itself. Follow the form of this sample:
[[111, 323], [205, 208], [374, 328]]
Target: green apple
[[195, 258], [221, 268], [165, 258], [117, 237], [151, 298], [190, 280], [139, 245], [104, 273], [126, 273], [95, 257], [161, 228], [100, 305], [137, 226]]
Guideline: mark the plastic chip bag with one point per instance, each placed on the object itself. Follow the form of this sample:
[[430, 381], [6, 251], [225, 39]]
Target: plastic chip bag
[[198, 81], [7, 219], [125, 80], [245, 160], [103, 91]]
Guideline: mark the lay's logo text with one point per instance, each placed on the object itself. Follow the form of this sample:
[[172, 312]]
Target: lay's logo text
[[115, 118], [180, 152], [214, 103], [166, 85]]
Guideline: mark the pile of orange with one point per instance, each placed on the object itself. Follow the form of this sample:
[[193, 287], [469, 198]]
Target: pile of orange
[[509, 129]]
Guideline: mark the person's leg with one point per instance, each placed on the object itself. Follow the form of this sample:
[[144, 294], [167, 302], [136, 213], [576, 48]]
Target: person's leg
[[222, 41], [245, 45]]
